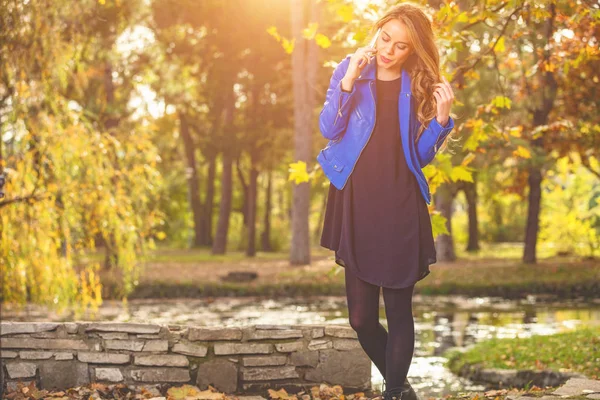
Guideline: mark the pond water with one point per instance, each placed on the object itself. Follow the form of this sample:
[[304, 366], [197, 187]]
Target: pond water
[[440, 323]]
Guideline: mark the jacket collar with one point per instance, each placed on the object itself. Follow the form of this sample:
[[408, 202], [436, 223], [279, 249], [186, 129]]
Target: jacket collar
[[370, 73]]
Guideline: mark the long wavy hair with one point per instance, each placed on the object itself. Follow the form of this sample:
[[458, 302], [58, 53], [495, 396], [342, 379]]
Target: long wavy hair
[[423, 65]]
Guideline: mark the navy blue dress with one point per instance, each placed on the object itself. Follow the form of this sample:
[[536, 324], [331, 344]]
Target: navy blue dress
[[378, 224]]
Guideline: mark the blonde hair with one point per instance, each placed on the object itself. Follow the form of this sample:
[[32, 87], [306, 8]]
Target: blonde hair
[[423, 65]]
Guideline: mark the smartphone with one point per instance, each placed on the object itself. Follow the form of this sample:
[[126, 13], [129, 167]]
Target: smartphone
[[373, 42]]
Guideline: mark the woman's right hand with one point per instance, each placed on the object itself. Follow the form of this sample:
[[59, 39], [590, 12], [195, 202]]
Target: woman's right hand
[[358, 61]]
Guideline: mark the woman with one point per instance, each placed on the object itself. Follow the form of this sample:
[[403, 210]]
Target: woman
[[386, 113]]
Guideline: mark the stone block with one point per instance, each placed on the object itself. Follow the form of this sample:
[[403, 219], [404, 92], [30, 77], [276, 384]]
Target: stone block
[[63, 374], [262, 334], [72, 327], [103, 358], [131, 345], [162, 360], [63, 356], [35, 355], [243, 348], [320, 344], [347, 368], [189, 349], [160, 375], [221, 374], [21, 370], [305, 358], [257, 361], [346, 344], [269, 373], [317, 332], [273, 327], [8, 354], [114, 335], [123, 327], [578, 387], [156, 345], [340, 331], [45, 344], [108, 374], [290, 347], [208, 333], [11, 328]]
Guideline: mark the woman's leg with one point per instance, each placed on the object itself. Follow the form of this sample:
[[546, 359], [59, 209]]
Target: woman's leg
[[363, 309], [401, 334]]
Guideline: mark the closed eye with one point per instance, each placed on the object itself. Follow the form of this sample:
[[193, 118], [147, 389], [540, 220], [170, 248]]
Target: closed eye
[[397, 46]]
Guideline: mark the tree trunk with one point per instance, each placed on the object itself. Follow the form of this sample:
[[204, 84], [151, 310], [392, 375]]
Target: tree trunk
[[245, 191], [220, 243], [207, 214], [533, 214], [266, 235], [304, 69], [540, 117], [193, 178], [444, 244], [470, 189], [251, 210]]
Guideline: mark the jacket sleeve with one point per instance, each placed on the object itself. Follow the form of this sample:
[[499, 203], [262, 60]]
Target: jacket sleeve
[[431, 139], [333, 118]]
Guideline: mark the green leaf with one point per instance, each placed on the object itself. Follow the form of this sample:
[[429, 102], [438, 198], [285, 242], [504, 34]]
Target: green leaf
[[438, 224]]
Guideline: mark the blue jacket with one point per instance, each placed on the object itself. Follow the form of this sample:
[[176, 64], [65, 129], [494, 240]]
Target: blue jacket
[[348, 119]]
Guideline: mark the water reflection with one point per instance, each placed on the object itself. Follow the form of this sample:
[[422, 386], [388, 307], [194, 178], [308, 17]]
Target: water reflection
[[440, 323]]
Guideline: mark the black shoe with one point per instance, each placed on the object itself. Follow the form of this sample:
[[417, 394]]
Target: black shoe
[[404, 392]]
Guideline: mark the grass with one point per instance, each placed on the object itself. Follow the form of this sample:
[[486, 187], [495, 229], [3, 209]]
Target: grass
[[196, 272], [576, 351]]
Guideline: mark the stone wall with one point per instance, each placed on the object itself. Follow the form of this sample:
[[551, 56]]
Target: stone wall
[[233, 360]]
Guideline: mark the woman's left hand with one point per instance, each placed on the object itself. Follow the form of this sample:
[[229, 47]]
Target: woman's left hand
[[444, 97]]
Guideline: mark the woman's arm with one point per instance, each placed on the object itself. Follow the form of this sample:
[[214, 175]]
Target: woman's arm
[[333, 119], [431, 139]]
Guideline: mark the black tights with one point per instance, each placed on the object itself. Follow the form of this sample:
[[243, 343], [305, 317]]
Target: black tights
[[390, 352]]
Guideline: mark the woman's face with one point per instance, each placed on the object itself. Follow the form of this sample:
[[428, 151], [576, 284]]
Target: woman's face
[[393, 45]]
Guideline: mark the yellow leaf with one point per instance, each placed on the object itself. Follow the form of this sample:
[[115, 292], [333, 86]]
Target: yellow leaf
[[273, 32], [516, 131], [288, 46], [462, 17], [322, 41], [346, 12], [103, 2], [461, 173], [500, 45], [501, 102], [522, 152], [279, 394], [309, 33], [549, 67], [298, 172], [161, 235]]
